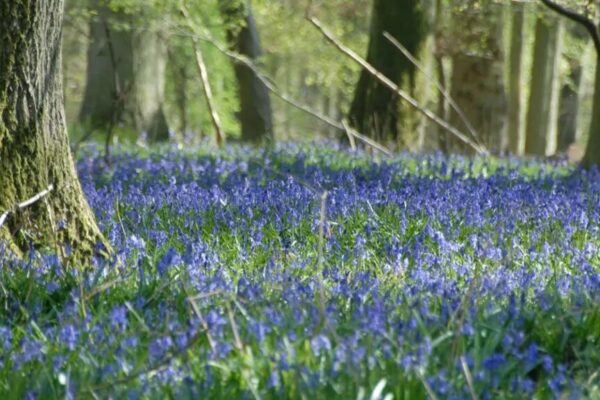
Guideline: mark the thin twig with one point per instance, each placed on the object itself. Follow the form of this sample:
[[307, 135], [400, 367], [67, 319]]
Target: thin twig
[[392, 86], [468, 377], [198, 313], [234, 328], [437, 84], [428, 388], [101, 288], [219, 134], [26, 203]]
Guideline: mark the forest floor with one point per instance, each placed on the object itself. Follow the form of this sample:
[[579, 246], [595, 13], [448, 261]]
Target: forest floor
[[315, 273]]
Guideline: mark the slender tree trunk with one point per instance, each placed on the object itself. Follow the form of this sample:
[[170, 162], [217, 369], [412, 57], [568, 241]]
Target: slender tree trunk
[[515, 131], [34, 148], [375, 109], [255, 103], [125, 76], [541, 118], [592, 152]]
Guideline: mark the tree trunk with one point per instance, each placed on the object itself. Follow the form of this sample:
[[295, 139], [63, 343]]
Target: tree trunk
[[541, 117], [569, 106], [477, 82], [255, 103], [515, 131], [441, 50], [592, 152], [34, 147], [125, 76], [375, 109]]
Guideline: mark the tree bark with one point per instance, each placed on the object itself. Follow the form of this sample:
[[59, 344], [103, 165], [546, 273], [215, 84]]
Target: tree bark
[[125, 76], [515, 131], [592, 152], [255, 102], [541, 117], [375, 109], [34, 147]]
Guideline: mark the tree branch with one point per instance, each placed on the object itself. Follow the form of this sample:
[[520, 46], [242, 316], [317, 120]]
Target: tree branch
[[25, 204], [438, 85], [273, 88], [581, 19], [392, 86]]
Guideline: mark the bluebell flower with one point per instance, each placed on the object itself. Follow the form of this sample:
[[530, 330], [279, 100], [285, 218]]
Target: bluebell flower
[[320, 344], [69, 336]]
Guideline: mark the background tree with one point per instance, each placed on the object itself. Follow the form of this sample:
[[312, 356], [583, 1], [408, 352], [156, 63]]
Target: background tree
[[515, 80], [34, 146], [375, 109], [542, 117], [588, 19], [255, 103], [477, 81], [126, 72]]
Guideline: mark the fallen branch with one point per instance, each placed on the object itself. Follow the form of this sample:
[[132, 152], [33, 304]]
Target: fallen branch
[[219, 135], [392, 86], [437, 84], [25, 203]]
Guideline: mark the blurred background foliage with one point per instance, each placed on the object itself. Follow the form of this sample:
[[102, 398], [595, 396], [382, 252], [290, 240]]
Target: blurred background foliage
[[300, 63]]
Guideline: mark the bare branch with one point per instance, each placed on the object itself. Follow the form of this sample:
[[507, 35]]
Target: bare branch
[[272, 87], [437, 84], [25, 204], [581, 19], [392, 86]]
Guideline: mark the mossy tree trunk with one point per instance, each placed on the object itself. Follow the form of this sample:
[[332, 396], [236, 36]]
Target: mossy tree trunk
[[34, 147], [126, 76], [255, 103], [375, 110]]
